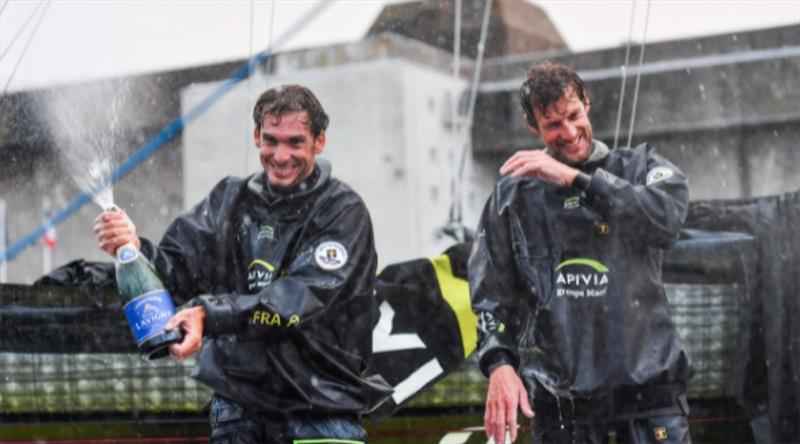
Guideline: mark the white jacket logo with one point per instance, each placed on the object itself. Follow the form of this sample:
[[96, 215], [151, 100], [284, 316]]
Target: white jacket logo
[[330, 255], [658, 174], [260, 273], [581, 278]]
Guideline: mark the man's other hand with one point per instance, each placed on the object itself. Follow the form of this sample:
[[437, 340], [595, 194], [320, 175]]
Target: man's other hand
[[540, 165], [191, 321], [506, 393], [114, 229]]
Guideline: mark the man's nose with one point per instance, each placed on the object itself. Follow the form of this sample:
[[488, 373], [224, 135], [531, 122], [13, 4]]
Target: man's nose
[[281, 154], [570, 132]]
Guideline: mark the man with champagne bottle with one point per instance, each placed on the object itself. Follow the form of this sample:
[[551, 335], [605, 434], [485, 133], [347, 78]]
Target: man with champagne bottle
[[275, 272]]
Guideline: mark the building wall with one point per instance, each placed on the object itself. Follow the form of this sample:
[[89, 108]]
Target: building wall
[[723, 108], [730, 123], [389, 138]]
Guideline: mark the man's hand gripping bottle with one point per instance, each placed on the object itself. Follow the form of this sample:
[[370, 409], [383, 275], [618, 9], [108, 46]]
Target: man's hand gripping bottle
[[148, 305]]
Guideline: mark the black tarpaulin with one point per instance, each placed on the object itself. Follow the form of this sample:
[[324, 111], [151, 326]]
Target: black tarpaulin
[[752, 245], [770, 391]]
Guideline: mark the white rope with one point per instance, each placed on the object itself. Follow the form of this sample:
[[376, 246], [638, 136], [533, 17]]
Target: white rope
[[476, 75], [3, 6], [639, 73], [473, 94], [25, 48], [454, 108], [273, 5], [248, 137], [624, 72], [22, 28]]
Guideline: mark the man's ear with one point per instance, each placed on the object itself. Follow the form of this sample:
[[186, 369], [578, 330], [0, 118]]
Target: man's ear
[[531, 128], [257, 136], [319, 143], [587, 104]]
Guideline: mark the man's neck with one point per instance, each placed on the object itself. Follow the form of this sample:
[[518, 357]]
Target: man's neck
[[306, 184]]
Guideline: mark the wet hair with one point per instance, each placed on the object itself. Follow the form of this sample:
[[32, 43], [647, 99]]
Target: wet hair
[[289, 99], [545, 84]]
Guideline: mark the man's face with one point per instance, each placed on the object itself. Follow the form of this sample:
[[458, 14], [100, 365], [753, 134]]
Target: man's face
[[564, 127], [287, 148]]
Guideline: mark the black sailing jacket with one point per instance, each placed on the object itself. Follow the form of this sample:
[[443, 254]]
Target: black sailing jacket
[[287, 284], [567, 282]]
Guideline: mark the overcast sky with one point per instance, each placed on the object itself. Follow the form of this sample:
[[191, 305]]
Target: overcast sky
[[79, 40]]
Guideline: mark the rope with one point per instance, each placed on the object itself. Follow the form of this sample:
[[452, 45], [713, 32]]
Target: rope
[[623, 70], [272, 7], [639, 73], [454, 106], [473, 93], [3, 7], [27, 45], [21, 29], [159, 140], [246, 133]]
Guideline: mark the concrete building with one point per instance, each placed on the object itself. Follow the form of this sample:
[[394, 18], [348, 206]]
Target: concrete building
[[723, 107], [390, 137]]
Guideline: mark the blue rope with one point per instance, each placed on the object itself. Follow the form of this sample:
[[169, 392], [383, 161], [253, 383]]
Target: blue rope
[[158, 141]]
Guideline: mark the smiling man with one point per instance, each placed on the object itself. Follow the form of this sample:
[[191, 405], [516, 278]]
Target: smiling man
[[278, 269], [565, 278]]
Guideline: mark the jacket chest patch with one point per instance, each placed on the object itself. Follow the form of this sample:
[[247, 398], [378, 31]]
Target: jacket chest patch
[[266, 231], [572, 202], [260, 273], [265, 250], [580, 278], [330, 255]]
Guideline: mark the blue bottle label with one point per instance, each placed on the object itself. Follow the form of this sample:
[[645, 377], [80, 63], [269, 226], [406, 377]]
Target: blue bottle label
[[127, 253], [148, 314]]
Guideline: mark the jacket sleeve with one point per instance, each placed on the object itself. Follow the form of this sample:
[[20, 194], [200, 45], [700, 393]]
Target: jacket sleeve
[[333, 262], [494, 288], [651, 203], [183, 257]]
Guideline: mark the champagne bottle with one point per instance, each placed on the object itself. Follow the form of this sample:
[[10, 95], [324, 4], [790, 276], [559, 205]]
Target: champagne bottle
[[148, 305]]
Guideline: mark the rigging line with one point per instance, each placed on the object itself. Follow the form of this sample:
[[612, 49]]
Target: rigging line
[[454, 105], [246, 133], [467, 127], [158, 141], [273, 5], [624, 73], [22, 28], [25, 48], [639, 73], [476, 76], [3, 6], [250, 34]]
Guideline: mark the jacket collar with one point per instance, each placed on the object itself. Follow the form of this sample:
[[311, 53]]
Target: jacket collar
[[599, 152], [259, 185]]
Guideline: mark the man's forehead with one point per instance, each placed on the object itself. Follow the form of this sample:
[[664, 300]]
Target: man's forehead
[[569, 100], [289, 119]]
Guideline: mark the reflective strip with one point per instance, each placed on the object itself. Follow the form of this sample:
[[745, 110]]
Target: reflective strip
[[384, 341], [456, 438], [599, 267], [456, 292], [326, 440], [416, 381], [263, 263]]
